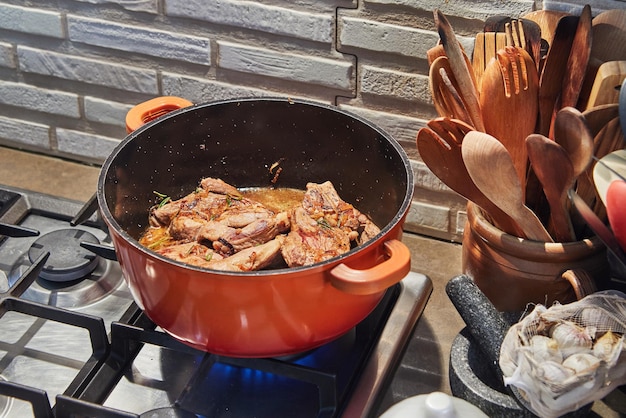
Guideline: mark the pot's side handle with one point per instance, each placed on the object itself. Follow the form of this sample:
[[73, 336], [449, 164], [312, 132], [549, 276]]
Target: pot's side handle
[[152, 109], [377, 278], [581, 281]]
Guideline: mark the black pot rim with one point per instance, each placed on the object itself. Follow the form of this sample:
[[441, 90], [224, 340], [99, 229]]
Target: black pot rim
[[398, 218]]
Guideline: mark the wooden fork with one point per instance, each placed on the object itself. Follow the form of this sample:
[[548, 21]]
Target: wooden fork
[[508, 100], [524, 34]]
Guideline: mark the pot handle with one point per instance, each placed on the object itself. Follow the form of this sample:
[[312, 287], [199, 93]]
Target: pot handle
[[152, 109], [377, 278], [581, 281]]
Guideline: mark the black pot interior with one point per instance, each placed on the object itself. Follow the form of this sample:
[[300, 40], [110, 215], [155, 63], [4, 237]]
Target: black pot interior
[[239, 142]]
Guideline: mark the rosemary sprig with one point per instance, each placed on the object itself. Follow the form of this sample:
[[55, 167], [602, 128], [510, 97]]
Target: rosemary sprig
[[164, 198]]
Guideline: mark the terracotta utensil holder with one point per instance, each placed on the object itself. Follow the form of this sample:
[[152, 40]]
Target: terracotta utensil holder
[[513, 272]]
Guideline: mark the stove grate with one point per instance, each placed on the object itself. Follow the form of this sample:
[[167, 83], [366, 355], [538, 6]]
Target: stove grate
[[331, 382], [9, 301]]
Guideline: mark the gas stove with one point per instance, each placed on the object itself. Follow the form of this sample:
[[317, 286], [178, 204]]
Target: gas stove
[[73, 342]]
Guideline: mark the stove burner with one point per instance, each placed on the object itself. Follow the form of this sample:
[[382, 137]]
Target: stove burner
[[68, 260]]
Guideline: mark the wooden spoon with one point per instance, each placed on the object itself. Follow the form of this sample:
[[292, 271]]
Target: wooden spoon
[[552, 165], [444, 90], [460, 69], [609, 35], [572, 133], [491, 168], [508, 99], [439, 146], [597, 117], [435, 52]]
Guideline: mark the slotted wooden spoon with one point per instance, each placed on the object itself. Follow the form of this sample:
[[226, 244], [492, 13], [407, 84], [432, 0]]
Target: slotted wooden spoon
[[444, 90], [552, 165], [486, 45], [491, 168], [525, 34]]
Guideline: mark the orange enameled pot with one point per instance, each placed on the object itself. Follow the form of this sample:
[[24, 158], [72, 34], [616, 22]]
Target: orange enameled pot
[[244, 142]]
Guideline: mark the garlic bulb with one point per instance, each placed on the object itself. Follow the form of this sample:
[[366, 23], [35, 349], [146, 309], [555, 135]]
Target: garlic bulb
[[544, 348], [571, 338], [553, 374], [582, 363], [608, 347]]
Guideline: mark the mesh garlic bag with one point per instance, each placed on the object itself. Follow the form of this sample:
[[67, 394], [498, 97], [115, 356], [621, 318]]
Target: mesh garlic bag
[[566, 356]]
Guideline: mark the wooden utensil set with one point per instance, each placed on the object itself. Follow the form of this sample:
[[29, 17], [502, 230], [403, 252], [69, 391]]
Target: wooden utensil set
[[523, 121]]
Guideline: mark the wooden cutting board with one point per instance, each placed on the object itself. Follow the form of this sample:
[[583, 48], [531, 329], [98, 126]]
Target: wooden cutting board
[[606, 87]]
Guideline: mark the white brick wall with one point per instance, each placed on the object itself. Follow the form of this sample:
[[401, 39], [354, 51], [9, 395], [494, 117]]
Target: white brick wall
[[71, 69]]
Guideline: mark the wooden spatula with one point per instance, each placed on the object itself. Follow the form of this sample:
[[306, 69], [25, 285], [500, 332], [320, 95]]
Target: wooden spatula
[[577, 62], [553, 71], [486, 45]]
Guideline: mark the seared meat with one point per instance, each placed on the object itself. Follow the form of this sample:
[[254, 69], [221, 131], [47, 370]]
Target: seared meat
[[217, 212], [246, 260], [323, 201], [257, 232], [251, 259], [370, 230], [206, 203], [217, 227], [191, 253], [323, 227], [311, 241], [219, 186]]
